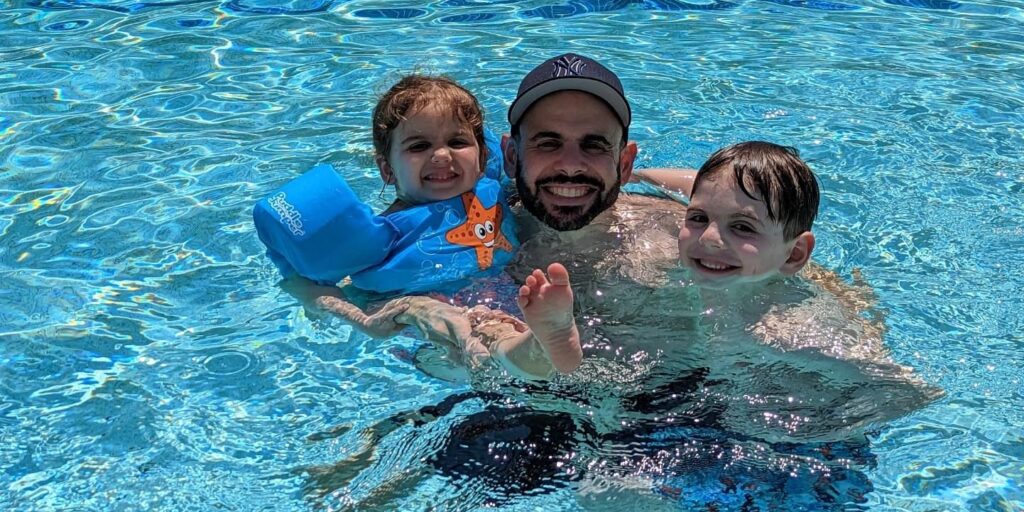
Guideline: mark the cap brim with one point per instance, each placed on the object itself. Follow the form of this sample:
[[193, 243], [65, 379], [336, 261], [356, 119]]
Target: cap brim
[[588, 85]]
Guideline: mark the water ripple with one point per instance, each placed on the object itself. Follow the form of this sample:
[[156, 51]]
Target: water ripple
[[147, 355]]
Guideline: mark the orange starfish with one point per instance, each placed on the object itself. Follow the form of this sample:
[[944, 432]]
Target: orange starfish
[[482, 230]]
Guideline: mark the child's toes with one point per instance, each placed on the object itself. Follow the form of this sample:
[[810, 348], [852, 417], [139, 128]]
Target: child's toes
[[523, 300], [541, 278], [558, 275], [531, 281]]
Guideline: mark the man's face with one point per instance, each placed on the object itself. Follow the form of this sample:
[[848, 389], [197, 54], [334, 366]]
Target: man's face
[[568, 160]]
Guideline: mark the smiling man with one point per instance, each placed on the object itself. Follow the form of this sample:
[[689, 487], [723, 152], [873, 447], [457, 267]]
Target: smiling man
[[568, 149], [569, 154]]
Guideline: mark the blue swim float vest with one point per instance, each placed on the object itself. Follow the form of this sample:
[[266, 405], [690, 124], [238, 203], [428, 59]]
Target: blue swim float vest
[[315, 226]]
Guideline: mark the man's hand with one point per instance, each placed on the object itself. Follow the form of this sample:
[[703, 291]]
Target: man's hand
[[307, 292], [381, 324]]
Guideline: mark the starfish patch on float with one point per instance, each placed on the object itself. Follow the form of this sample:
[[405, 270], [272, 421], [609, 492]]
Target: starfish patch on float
[[482, 230]]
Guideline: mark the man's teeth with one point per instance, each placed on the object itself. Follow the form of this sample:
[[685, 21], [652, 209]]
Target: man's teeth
[[714, 266], [568, 191]]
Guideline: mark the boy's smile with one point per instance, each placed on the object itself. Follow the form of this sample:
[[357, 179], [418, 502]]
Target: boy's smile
[[727, 236], [433, 156]]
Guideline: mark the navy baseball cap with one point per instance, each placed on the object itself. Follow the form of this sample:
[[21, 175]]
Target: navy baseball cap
[[570, 72]]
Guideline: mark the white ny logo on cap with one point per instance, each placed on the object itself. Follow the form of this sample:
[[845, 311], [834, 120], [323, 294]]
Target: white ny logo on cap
[[568, 65]]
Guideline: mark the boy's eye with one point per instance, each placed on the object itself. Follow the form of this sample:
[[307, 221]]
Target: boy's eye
[[419, 146], [744, 228], [699, 218]]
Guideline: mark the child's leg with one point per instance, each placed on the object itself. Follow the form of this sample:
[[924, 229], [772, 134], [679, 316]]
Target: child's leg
[[546, 303]]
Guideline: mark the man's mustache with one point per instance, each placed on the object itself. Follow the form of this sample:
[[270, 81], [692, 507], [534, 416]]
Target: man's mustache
[[570, 180]]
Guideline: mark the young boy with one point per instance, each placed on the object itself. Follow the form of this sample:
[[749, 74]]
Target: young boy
[[749, 220]]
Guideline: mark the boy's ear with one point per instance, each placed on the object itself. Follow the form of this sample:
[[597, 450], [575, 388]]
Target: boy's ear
[[509, 155], [384, 167], [800, 254], [626, 160]]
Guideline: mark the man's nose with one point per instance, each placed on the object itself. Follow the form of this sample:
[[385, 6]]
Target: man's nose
[[572, 161]]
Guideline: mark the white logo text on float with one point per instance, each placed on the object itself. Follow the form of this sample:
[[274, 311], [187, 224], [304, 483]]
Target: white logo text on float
[[289, 215]]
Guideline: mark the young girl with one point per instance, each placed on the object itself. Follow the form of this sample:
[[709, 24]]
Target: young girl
[[449, 221]]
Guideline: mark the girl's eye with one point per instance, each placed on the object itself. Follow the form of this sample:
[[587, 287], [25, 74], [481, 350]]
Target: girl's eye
[[459, 143], [697, 217], [419, 146]]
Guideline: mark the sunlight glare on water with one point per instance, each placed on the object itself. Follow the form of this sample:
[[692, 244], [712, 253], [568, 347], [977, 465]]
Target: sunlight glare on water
[[149, 361]]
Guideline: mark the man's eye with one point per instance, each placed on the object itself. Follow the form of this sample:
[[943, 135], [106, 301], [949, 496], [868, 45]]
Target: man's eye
[[596, 148], [548, 145]]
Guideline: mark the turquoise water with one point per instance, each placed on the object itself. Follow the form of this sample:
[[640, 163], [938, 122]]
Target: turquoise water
[[149, 362]]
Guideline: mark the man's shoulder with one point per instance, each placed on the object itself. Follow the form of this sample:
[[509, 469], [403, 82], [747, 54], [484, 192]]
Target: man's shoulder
[[634, 207], [643, 201]]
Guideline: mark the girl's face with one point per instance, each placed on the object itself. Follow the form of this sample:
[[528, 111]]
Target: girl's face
[[433, 157]]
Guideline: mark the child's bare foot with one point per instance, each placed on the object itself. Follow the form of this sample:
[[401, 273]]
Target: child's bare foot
[[546, 303]]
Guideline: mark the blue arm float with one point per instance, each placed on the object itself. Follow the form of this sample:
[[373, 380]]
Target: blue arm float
[[315, 226]]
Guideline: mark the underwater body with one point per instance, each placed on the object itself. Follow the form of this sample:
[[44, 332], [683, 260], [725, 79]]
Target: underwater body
[[150, 360], [666, 385]]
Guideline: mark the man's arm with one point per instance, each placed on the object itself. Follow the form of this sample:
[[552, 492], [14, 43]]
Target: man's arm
[[308, 292], [673, 180], [478, 334]]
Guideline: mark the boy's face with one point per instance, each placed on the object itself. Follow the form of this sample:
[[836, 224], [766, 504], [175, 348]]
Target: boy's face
[[433, 157], [728, 238]]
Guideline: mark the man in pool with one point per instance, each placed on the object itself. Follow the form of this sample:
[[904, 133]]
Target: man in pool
[[658, 360]]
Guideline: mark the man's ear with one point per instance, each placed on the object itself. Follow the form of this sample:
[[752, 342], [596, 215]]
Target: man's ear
[[800, 254], [509, 155], [386, 173], [626, 160]]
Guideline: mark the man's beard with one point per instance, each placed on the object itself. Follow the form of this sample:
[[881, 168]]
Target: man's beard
[[567, 218]]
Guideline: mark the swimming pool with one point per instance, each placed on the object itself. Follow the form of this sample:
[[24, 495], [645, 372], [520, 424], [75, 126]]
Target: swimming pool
[[149, 362]]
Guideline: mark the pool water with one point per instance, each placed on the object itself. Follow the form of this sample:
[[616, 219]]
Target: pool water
[[148, 361]]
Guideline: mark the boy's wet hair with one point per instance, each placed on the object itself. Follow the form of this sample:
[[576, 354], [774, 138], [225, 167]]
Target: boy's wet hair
[[772, 174], [414, 92]]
